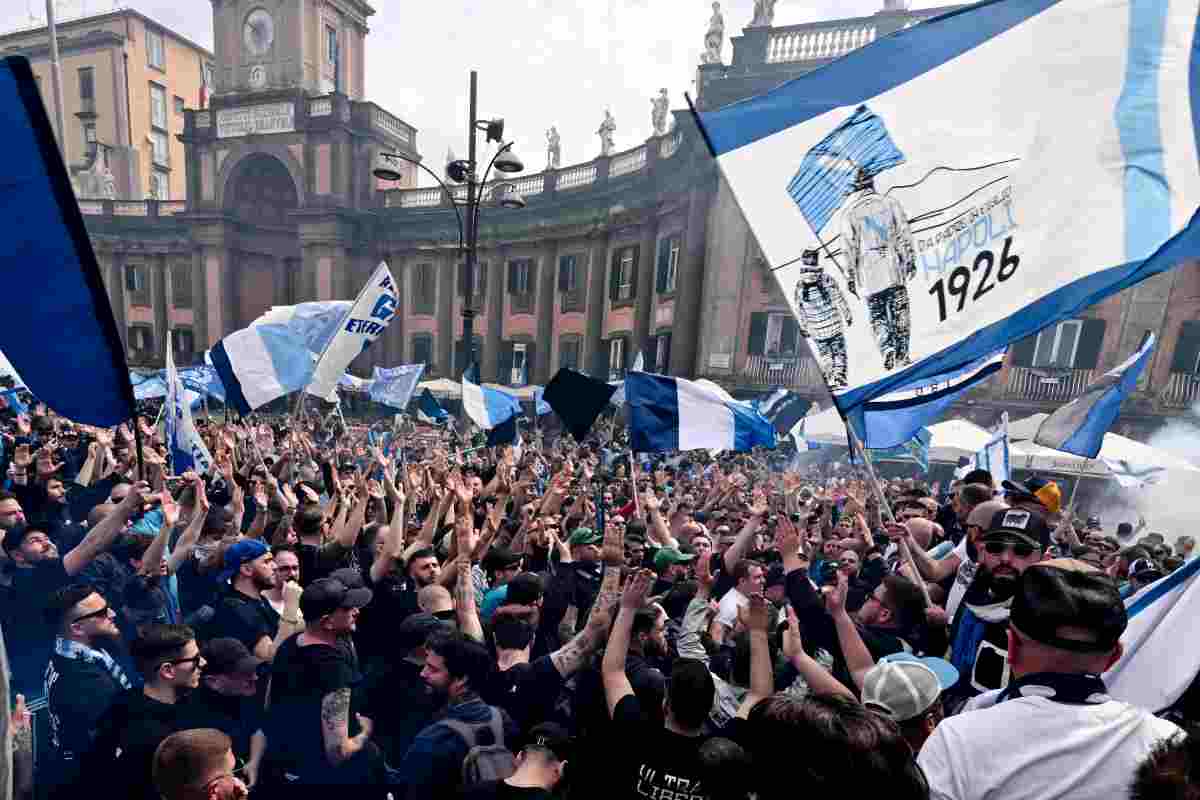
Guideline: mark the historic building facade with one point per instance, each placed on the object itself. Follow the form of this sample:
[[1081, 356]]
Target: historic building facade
[[642, 250]]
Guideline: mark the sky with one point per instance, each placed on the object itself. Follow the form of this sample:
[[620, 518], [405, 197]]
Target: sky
[[540, 62]]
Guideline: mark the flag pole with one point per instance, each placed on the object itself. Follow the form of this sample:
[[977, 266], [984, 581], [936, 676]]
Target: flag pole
[[886, 510]]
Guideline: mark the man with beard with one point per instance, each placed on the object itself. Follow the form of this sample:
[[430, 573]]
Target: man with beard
[[131, 730], [241, 609], [39, 572], [1014, 541], [81, 680]]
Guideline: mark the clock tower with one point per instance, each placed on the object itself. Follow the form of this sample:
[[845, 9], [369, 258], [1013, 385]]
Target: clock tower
[[312, 45]]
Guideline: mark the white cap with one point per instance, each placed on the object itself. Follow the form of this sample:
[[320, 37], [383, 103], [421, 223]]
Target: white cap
[[904, 687]]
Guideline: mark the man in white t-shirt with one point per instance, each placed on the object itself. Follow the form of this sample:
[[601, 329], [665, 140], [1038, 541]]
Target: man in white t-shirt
[[751, 579], [1053, 731]]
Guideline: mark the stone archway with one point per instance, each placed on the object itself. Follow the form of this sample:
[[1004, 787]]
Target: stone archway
[[261, 189]]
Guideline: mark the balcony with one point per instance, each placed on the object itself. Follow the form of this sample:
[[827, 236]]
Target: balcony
[[817, 44], [1182, 390], [572, 300], [789, 372], [1046, 384]]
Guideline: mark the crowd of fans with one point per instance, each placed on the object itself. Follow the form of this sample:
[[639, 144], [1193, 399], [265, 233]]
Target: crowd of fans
[[416, 617]]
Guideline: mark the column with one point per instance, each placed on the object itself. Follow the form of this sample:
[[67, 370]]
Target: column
[[685, 330], [591, 359], [497, 285], [540, 371], [158, 301], [447, 330], [115, 270], [647, 274], [217, 316]]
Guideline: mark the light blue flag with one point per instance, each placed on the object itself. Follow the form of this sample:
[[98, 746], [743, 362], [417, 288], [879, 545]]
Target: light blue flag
[[394, 386], [188, 451], [260, 363], [486, 407], [539, 404], [994, 457], [894, 419], [201, 379], [314, 323], [429, 410], [668, 414], [950, 229], [148, 387], [915, 450], [12, 398], [1080, 425]]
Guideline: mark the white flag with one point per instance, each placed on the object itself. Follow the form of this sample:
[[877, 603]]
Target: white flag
[[367, 319], [187, 448]]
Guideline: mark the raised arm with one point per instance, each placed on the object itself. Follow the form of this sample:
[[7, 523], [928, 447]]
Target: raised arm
[[819, 679], [191, 534], [152, 558], [571, 656], [738, 549], [756, 617], [101, 537], [464, 588], [612, 669], [854, 650]]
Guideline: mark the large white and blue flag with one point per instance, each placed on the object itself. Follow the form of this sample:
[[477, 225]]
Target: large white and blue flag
[[201, 379], [668, 414], [895, 418], [1064, 170], [366, 320], [260, 363], [394, 386], [315, 323], [1161, 658], [188, 451], [429, 410], [915, 450], [1079, 426], [486, 407]]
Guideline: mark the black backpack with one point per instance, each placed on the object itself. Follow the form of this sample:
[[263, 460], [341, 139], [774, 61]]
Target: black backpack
[[484, 762]]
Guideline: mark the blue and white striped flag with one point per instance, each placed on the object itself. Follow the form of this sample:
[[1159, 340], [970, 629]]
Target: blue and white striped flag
[[260, 363], [1057, 176], [1161, 659], [1079, 426], [429, 410], [315, 323], [188, 451], [486, 407], [394, 386], [668, 414], [366, 320]]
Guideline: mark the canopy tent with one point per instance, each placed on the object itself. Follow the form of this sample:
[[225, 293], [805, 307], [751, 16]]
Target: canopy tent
[[444, 387], [1028, 455], [950, 441]]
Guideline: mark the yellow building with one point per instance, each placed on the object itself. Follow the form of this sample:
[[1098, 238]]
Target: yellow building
[[126, 83]]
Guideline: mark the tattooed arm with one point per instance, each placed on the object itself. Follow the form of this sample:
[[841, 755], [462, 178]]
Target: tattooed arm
[[340, 747], [574, 653]]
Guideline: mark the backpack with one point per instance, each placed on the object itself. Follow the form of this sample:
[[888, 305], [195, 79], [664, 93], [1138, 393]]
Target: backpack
[[491, 762]]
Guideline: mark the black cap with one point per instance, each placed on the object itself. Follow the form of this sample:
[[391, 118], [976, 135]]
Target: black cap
[[1016, 523], [14, 536], [552, 737], [524, 589], [327, 595], [228, 656], [1069, 593], [1145, 570], [416, 629], [502, 558], [349, 576]]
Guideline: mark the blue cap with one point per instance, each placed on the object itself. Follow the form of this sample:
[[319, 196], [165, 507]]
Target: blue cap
[[239, 553], [947, 673]]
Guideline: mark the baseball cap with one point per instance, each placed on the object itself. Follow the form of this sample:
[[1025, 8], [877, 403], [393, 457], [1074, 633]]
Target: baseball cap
[[502, 558], [1144, 570], [241, 552], [349, 576], [1043, 491], [326, 595], [582, 536], [1065, 592], [228, 656], [415, 629], [1020, 524], [669, 555], [553, 737], [981, 515], [904, 686]]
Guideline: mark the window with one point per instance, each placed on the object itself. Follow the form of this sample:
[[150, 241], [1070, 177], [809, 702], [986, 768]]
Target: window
[[1187, 349], [568, 278], [87, 90], [135, 278], [162, 155], [773, 334], [568, 353], [622, 287], [1056, 347], [181, 285], [519, 363], [424, 290], [662, 354], [184, 343], [159, 186], [616, 359], [422, 350], [668, 265], [332, 54], [89, 133], [154, 49], [141, 339], [519, 276], [158, 106], [179, 105]]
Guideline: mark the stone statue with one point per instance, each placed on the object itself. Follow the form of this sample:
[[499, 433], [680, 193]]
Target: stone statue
[[553, 150], [97, 181], [607, 128], [660, 113], [714, 40], [764, 14]]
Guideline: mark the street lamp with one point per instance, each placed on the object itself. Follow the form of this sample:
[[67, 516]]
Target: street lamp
[[464, 171]]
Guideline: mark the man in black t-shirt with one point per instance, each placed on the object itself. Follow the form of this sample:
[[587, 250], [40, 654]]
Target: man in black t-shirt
[[241, 611], [540, 767]]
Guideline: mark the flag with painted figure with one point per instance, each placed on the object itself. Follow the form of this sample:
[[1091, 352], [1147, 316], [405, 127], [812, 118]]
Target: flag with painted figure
[[1063, 170], [429, 410], [367, 318], [394, 386], [1160, 660], [668, 414], [486, 407], [188, 451], [1079, 426], [893, 419], [784, 408]]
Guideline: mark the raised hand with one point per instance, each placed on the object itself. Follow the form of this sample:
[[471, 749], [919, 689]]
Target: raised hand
[[637, 589], [756, 616], [612, 551], [793, 644]]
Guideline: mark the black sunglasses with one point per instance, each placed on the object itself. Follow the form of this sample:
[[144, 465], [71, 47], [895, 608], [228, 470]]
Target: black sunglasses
[[194, 661], [100, 612], [1020, 549]]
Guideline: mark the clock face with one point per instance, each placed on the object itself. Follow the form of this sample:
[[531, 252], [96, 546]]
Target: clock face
[[259, 32]]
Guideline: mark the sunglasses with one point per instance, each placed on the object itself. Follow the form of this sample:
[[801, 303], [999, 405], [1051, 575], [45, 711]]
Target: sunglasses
[[194, 661], [1019, 549], [100, 612]]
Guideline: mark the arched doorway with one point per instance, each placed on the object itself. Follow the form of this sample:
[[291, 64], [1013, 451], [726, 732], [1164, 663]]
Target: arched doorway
[[261, 190]]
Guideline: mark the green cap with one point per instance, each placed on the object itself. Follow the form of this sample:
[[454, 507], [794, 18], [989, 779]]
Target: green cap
[[669, 555], [582, 536]]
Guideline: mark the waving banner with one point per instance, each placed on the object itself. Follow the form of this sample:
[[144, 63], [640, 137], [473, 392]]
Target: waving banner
[[366, 320], [944, 191]]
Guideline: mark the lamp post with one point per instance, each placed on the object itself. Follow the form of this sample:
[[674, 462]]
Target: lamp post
[[461, 172]]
